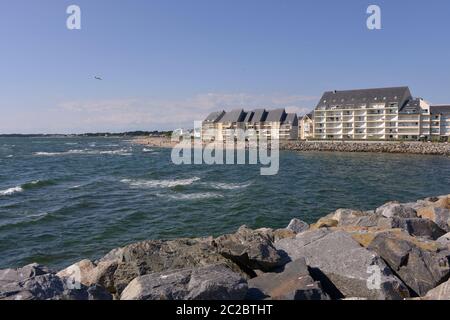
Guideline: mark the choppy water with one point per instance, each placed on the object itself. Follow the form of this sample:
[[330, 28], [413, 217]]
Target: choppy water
[[65, 199]]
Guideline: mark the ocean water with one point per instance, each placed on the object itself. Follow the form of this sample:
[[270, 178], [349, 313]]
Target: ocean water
[[66, 199]]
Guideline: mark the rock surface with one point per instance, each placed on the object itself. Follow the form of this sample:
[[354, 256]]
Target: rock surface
[[347, 266], [420, 269], [293, 283], [214, 282], [396, 209], [156, 256], [441, 292], [250, 249], [35, 282], [297, 226], [438, 215]]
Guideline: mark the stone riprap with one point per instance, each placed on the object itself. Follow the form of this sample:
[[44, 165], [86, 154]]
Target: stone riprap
[[396, 251]]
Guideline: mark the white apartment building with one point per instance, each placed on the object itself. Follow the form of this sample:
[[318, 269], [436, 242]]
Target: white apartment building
[[273, 124], [377, 114]]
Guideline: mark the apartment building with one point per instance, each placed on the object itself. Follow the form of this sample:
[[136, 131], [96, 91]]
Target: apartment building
[[273, 124], [377, 114]]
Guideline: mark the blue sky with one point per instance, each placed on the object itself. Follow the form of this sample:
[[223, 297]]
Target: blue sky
[[166, 63]]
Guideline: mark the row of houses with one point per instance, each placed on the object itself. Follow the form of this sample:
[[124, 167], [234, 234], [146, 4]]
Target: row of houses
[[367, 114], [273, 124]]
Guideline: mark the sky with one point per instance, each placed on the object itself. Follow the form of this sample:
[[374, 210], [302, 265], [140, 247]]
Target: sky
[[167, 63]]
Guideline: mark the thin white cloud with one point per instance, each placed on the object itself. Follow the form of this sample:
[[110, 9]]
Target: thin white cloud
[[115, 115]]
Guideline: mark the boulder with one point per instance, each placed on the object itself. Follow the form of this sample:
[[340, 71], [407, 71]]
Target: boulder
[[48, 287], [440, 202], [438, 215], [441, 292], [250, 249], [414, 226], [22, 274], [445, 239], [279, 234], [325, 223], [293, 283], [396, 209], [420, 266], [89, 273], [214, 282], [343, 266], [152, 256], [297, 226]]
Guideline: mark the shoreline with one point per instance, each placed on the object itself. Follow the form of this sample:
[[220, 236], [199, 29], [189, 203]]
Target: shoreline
[[409, 243], [398, 147]]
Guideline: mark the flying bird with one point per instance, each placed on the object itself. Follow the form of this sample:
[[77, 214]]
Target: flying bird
[[98, 78]]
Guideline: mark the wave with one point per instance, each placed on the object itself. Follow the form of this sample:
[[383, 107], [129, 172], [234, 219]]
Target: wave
[[160, 183], [229, 186], [122, 152], [11, 191], [191, 196], [9, 156], [25, 220], [147, 150], [37, 184], [26, 186]]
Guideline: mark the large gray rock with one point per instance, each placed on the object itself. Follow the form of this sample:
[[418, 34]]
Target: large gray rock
[[21, 274], [89, 274], [414, 226], [251, 250], [156, 256], [47, 286], [214, 282], [293, 283], [420, 265], [297, 225], [445, 239], [440, 216], [396, 209], [357, 218], [343, 266], [441, 292]]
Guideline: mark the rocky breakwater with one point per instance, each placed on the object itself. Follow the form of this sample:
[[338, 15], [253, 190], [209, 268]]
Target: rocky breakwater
[[397, 251], [377, 147]]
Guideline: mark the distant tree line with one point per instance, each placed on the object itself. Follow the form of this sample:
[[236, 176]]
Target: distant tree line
[[92, 134]]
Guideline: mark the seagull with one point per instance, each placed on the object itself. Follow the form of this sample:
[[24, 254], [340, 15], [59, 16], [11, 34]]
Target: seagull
[[97, 78]]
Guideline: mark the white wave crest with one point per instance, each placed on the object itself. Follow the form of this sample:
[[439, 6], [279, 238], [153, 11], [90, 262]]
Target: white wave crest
[[122, 152], [160, 183], [229, 186], [10, 191], [192, 196], [147, 150]]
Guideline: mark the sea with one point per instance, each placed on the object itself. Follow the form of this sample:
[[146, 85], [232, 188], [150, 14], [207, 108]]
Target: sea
[[66, 199]]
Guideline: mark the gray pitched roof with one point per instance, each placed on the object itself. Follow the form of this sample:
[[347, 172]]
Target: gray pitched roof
[[411, 107], [395, 94], [440, 109], [249, 116], [214, 116], [291, 118], [259, 115], [277, 115], [237, 115]]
